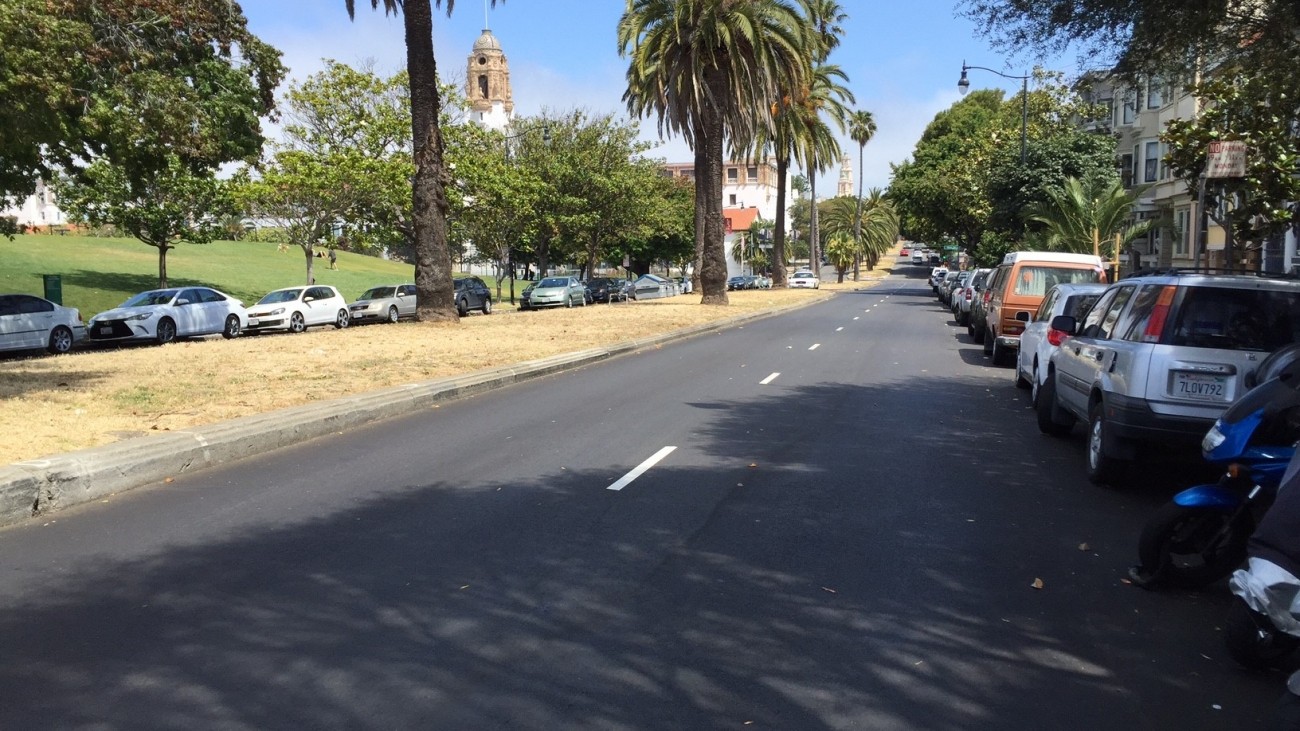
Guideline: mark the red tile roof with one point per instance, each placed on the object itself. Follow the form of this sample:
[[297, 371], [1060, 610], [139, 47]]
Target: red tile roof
[[739, 219]]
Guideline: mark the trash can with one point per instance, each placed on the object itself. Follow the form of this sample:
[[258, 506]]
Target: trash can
[[54, 288]]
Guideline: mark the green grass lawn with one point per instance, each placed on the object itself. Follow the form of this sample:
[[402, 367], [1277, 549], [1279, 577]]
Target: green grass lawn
[[101, 273]]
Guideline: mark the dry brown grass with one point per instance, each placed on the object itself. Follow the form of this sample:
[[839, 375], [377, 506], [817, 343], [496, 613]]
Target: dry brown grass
[[53, 405]]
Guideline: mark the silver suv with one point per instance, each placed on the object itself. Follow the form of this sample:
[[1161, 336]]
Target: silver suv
[[1159, 357]]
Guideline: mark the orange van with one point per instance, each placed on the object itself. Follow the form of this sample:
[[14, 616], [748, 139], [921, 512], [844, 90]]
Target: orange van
[[1019, 284]]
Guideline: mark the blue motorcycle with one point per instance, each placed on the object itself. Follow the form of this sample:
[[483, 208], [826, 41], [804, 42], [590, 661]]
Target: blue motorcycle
[[1200, 536]]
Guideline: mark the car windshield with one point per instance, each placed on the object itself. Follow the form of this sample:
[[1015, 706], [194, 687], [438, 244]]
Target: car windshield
[[553, 282], [376, 293], [1036, 280], [599, 282], [280, 295], [156, 297]]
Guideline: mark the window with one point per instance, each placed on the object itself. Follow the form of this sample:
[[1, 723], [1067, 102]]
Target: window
[[1129, 112], [1164, 169], [1155, 93], [1236, 319], [731, 199], [1045, 309], [1182, 230], [1150, 161], [733, 175], [1092, 323], [1144, 303], [210, 295], [29, 305], [752, 173], [1126, 170], [1077, 306], [483, 86], [1036, 280], [1112, 313]]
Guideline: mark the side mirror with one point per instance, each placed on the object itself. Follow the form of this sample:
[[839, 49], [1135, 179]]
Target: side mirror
[[182, 301], [308, 299], [1064, 323]]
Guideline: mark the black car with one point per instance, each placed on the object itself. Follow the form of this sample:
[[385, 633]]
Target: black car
[[737, 283], [472, 294], [606, 289]]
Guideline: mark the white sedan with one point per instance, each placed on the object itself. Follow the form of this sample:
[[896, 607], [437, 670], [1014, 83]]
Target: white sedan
[[297, 308], [1038, 342], [805, 279], [163, 315], [28, 322]]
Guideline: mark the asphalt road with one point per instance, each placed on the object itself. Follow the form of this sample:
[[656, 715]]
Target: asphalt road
[[843, 535]]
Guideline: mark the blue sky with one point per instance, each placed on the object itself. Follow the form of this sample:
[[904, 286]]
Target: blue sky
[[903, 59]]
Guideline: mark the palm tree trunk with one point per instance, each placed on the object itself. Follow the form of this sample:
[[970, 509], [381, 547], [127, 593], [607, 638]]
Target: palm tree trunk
[[429, 201], [713, 267], [857, 217], [701, 163], [778, 236], [814, 257]]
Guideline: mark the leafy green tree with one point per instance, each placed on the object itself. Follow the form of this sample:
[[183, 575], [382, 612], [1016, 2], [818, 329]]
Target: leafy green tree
[[1088, 216], [711, 71], [877, 225], [1261, 111], [817, 146], [1012, 186], [144, 84], [171, 206], [429, 204]]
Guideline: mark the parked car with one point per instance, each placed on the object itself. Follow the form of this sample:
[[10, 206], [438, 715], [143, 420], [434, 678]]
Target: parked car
[[1038, 342], [937, 275], [736, 282], [294, 309], [472, 293], [684, 285], [28, 322], [951, 281], [1019, 284], [918, 256], [385, 303], [557, 292], [163, 315], [806, 279], [606, 289], [651, 286], [965, 299], [762, 281], [1159, 357]]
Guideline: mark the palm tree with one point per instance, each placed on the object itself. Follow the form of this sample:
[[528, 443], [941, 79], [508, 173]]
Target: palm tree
[[815, 144], [877, 225], [1088, 212], [825, 20], [710, 71], [435, 292], [862, 127]]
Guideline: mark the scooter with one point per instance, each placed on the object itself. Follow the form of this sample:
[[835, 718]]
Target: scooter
[[1200, 536]]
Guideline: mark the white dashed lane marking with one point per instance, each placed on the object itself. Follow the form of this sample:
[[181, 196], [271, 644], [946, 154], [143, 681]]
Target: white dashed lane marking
[[640, 469], [815, 346], [769, 379]]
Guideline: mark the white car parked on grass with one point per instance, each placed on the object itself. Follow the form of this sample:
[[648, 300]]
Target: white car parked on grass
[[297, 308], [166, 314], [804, 278], [28, 322]]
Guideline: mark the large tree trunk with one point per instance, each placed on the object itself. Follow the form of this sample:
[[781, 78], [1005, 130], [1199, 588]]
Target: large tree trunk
[[857, 219], [778, 236], [708, 194], [433, 284], [700, 190], [310, 251], [162, 264]]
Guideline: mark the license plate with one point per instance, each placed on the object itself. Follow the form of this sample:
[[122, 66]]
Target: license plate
[[106, 330], [1200, 387], [252, 322]]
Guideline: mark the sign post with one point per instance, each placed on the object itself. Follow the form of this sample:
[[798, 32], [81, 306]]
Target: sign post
[[1223, 159]]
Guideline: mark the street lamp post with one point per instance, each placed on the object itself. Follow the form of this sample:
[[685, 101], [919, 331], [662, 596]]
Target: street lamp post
[[964, 86], [510, 249]]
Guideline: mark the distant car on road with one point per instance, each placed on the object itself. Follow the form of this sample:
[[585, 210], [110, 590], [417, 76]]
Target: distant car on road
[[385, 303], [294, 309], [28, 322], [162, 315], [805, 279]]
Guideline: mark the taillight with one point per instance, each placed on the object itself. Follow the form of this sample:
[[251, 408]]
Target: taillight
[[969, 295], [1159, 314], [988, 294], [1056, 336]]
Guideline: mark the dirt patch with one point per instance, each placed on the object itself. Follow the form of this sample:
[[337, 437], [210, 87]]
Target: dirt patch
[[95, 397]]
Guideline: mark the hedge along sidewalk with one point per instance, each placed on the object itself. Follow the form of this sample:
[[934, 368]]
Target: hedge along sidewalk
[[38, 487]]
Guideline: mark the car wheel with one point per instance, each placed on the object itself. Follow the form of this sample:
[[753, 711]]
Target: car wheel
[[1033, 387], [584, 300], [970, 329], [166, 331], [568, 302], [60, 340], [341, 320], [1103, 467], [462, 307], [1021, 382], [1193, 546], [232, 328], [1252, 640], [1052, 419], [487, 306], [999, 353], [297, 323], [393, 314]]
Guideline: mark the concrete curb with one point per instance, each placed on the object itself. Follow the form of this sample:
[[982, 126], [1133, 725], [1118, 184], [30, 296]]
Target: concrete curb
[[37, 487]]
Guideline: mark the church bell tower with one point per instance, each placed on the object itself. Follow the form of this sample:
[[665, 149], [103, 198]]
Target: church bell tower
[[487, 84]]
